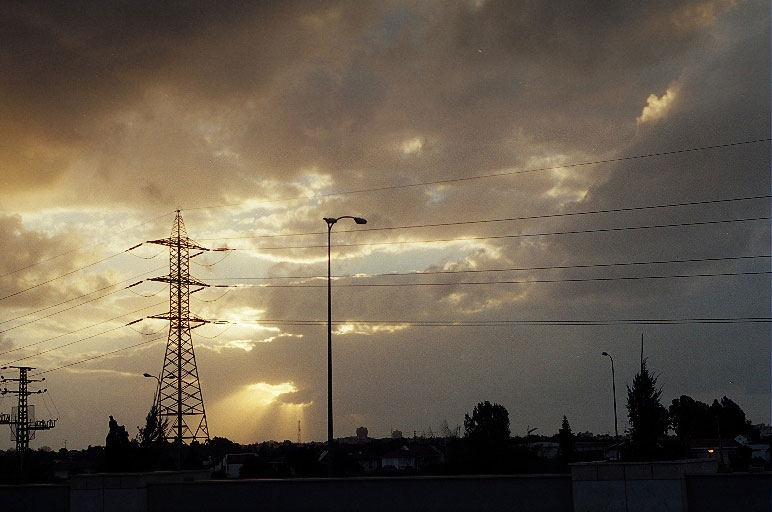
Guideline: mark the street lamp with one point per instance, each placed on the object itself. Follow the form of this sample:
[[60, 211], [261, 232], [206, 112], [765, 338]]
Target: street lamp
[[614, 391], [330, 223], [157, 394]]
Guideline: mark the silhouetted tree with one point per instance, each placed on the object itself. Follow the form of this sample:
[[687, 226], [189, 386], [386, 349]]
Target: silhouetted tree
[[566, 440], [152, 438], [729, 418], [221, 446], [649, 420], [154, 432], [486, 436], [691, 419], [489, 423], [118, 456]]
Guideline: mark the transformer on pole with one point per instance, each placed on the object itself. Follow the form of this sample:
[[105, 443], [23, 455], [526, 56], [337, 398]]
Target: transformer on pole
[[180, 397]]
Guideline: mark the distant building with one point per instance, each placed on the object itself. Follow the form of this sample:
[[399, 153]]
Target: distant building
[[544, 449], [410, 458], [764, 430], [362, 433], [760, 451], [233, 462], [400, 459], [396, 434]]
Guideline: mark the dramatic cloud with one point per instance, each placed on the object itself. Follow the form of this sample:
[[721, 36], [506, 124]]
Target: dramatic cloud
[[503, 154], [657, 108]]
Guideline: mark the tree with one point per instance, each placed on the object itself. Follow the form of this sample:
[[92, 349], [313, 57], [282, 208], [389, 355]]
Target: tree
[[729, 418], [153, 434], [566, 441], [691, 419], [489, 423], [648, 417], [117, 447], [152, 438], [486, 437]]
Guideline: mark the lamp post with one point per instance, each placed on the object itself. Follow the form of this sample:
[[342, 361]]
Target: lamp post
[[330, 223], [614, 391], [157, 394]]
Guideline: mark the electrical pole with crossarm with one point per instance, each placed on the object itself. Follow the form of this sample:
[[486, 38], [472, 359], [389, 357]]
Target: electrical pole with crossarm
[[22, 418]]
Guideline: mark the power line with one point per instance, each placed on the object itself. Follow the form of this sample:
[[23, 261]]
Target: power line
[[521, 235], [506, 219], [78, 330], [84, 295], [520, 281], [66, 274], [46, 351], [526, 322], [61, 276], [514, 269], [501, 174], [100, 356], [63, 310], [81, 248], [448, 323]]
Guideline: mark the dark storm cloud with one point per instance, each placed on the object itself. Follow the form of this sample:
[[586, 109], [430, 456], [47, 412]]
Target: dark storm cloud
[[69, 69], [337, 86]]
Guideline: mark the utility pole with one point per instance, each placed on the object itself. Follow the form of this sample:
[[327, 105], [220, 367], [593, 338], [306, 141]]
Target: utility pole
[[179, 389], [22, 417], [299, 432]]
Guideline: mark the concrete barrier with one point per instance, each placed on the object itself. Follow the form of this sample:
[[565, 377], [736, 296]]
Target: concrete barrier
[[121, 492], [24, 498], [682, 486], [531, 493], [635, 486], [748, 492]]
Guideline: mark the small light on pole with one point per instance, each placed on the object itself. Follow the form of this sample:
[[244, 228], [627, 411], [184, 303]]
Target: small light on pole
[[330, 223]]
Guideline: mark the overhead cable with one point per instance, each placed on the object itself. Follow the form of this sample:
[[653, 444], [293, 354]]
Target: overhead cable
[[519, 235], [515, 281], [504, 219], [501, 174], [512, 269]]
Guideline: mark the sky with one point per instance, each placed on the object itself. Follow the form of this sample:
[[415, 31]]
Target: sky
[[543, 181]]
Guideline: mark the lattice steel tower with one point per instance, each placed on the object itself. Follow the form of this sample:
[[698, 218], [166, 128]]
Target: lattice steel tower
[[180, 397]]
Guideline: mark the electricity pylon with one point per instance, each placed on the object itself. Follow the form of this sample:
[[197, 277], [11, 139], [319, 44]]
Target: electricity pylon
[[180, 395], [22, 418]]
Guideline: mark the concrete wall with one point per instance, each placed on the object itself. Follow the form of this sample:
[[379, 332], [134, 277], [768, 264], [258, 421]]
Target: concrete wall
[[634, 486], [599, 487], [121, 492], [532, 493], [749, 492], [26, 498]]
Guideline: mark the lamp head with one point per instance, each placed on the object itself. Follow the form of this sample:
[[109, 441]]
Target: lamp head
[[605, 353], [360, 220], [147, 375]]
